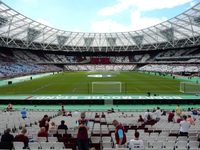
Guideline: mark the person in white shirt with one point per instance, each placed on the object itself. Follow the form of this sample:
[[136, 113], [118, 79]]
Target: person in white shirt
[[158, 114], [136, 143], [184, 126], [147, 115]]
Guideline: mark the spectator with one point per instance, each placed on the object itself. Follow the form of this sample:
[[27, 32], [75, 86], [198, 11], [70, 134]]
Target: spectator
[[163, 113], [171, 116], [44, 122], [83, 120], [194, 113], [63, 126], [111, 110], [136, 143], [9, 107], [140, 119], [69, 114], [190, 120], [184, 126], [52, 129], [22, 138], [158, 114], [120, 135], [7, 140], [53, 126], [63, 110], [82, 137], [103, 115], [24, 113], [97, 115], [178, 110], [147, 115], [179, 119], [43, 133]]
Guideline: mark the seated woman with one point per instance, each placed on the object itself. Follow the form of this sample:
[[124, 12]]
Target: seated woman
[[43, 133]]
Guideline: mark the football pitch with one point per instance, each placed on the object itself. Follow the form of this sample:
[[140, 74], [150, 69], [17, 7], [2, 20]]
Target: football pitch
[[91, 83]]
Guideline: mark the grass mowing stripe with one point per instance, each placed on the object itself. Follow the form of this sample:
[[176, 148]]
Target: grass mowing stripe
[[42, 87]]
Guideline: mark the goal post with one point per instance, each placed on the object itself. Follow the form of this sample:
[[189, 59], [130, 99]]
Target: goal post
[[190, 87], [106, 87]]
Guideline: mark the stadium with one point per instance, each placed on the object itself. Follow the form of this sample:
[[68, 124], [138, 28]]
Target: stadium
[[43, 68]]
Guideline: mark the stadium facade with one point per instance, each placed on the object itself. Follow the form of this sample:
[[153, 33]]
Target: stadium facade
[[18, 31]]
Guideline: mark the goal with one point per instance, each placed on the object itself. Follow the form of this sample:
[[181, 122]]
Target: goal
[[106, 87], [190, 87]]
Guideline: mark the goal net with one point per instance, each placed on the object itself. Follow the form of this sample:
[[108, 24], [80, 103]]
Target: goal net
[[190, 87], [106, 87]]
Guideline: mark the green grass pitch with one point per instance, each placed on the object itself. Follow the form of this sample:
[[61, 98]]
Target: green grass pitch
[[80, 83]]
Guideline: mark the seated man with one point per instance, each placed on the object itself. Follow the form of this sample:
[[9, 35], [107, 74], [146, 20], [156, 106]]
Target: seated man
[[184, 126], [171, 116], [62, 125], [22, 138], [136, 143], [7, 140]]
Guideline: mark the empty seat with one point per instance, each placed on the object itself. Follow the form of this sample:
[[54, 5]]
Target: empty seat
[[169, 145], [193, 144], [34, 145], [107, 144], [18, 145], [181, 145], [59, 145], [106, 139], [47, 145], [41, 139], [52, 139]]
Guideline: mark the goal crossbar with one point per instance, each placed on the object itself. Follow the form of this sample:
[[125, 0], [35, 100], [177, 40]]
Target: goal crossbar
[[106, 87]]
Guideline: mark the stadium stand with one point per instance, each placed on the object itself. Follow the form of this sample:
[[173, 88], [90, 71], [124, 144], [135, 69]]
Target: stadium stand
[[155, 135]]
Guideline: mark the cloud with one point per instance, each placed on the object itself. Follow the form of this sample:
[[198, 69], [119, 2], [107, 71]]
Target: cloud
[[136, 8], [107, 25], [141, 5], [137, 22], [43, 21], [107, 11]]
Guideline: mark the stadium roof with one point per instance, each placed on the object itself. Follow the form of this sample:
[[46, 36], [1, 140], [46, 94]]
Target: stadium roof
[[19, 31]]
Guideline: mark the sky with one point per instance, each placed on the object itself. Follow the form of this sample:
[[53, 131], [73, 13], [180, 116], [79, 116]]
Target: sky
[[100, 15]]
